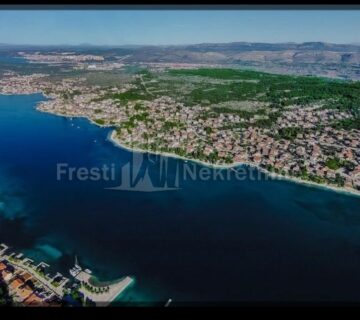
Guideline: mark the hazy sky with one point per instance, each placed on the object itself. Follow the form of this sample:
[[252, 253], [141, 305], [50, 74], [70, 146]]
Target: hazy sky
[[177, 27]]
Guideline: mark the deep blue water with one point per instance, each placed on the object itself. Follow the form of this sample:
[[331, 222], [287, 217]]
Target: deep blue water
[[209, 241]]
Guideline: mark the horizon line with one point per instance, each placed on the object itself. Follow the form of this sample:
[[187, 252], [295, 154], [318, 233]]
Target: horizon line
[[164, 45]]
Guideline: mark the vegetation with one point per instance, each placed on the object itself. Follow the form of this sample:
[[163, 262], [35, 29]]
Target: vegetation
[[244, 93], [5, 299], [339, 180], [139, 106], [278, 90], [139, 117], [100, 121], [289, 133], [93, 289], [208, 130], [219, 73], [333, 163], [241, 113], [336, 163], [131, 95], [348, 124], [168, 125]]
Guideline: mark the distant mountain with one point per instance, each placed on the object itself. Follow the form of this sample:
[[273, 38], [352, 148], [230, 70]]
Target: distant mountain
[[248, 46], [317, 58], [235, 52]]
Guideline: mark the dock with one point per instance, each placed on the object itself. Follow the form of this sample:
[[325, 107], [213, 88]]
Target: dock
[[101, 295], [56, 285]]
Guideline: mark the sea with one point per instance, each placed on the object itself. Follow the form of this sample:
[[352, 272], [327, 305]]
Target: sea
[[205, 241]]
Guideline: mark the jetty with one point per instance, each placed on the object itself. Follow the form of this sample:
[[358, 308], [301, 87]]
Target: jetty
[[19, 269], [102, 294]]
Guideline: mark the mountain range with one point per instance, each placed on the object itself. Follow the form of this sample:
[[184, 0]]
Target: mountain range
[[238, 52]]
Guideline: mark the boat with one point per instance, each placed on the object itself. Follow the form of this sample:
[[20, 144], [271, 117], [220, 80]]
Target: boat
[[74, 271], [168, 302], [77, 269], [77, 263]]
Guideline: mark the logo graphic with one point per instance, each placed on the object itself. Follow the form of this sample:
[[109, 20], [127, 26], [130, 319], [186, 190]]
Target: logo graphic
[[146, 172], [135, 175]]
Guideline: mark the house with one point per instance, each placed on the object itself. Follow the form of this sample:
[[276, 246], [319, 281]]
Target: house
[[2, 266], [26, 276], [24, 292], [34, 300], [15, 284], [7, 275], [257, 157]]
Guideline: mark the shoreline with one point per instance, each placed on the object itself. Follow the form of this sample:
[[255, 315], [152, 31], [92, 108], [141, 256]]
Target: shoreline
[[111, 137], [37, 108]]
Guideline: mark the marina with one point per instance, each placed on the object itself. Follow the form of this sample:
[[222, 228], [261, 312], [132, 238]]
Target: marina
[[50, 290]]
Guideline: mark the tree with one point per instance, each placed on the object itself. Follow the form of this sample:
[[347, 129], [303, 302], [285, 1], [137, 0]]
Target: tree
[[333, 163]]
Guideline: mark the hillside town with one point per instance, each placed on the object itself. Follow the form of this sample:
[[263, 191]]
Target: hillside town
[[301, 142]]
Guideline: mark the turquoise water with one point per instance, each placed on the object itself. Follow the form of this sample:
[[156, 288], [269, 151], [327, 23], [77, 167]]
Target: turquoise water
[[207, 242], [50, 251]]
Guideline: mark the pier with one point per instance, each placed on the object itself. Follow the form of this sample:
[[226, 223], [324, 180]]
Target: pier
[[101, 294], [55, 286], [25, 266]]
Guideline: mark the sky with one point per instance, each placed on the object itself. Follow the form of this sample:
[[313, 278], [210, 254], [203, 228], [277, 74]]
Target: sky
[[163, 27]]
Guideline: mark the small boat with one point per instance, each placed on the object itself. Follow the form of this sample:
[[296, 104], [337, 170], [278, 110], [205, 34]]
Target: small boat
[[74, 271], [168, 303], [88, 271], [77, 266]]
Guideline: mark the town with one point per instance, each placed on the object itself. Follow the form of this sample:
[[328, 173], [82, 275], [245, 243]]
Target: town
[[301, 141], [26, 283]]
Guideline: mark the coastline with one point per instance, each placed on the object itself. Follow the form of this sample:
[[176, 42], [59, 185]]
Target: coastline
[[111, 137], [71, 116], [347, 191], [315, 206]]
